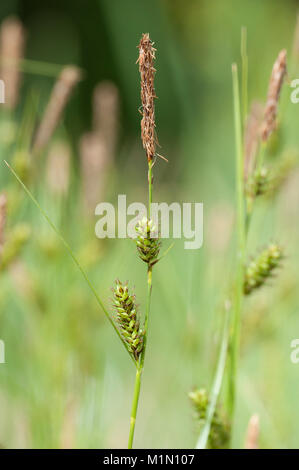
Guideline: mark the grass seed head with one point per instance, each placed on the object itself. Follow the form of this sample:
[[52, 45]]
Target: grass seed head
[[147, 241], [258, 183], [261, 268], [278, 74], [147, 73], [106, 114], [12, 43], [253, 431], [220, 428], [95, 164], [252, 137], [66, 82], [58, 168], [128, 319]]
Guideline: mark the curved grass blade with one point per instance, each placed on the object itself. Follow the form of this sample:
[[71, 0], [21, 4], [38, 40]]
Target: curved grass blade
[[71, 253]]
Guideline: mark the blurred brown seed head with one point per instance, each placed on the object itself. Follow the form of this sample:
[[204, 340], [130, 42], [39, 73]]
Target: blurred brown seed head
[[60, 95], [251, 138], [12, 43], [278, 73], [253, 432], [58, 168], [147, 73], [106, 114], [94, 166]]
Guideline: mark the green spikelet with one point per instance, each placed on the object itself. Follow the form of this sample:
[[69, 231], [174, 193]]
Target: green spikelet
[[261, 268], [257, 184], [128, 319], [148, 241], [220, 429]]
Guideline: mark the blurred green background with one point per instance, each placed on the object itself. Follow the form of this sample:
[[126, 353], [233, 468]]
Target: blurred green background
[[67, 381]]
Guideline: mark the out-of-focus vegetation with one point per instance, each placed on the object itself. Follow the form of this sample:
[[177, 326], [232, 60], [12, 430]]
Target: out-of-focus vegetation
[[67, 381]]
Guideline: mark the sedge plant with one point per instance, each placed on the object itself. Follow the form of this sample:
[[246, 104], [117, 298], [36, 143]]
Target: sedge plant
[[126, 321], [259, 269], [253, 179], [147, 241]]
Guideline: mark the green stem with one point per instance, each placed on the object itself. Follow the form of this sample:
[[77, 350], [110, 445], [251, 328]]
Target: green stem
[[244, 74], [147, 311], [150, 189], [140, 364], [235, 340], [134, 406]]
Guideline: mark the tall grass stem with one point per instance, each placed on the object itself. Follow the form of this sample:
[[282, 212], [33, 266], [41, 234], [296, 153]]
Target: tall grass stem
[[140, 365], [235, 338]]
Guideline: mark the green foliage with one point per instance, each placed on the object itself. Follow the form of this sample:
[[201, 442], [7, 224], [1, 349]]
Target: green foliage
[[220, 430], [261, 268]]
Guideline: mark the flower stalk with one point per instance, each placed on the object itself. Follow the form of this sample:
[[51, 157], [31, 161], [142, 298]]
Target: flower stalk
[[235, 341], [147, 242]]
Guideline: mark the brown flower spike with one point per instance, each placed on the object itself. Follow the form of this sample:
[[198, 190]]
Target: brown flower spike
[[147, 73], [12, 44], [251, 137], [66, 82], [278, 73], [253, 431]]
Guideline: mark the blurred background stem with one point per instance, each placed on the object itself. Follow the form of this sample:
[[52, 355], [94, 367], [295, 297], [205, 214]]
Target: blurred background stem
[[235, 338]]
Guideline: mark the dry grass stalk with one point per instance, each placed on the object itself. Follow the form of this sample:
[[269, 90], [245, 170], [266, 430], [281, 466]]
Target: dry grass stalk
[[3, 206], [251, 137], [12, 43], [60, 95], [147, 73], [106, 114], [94, 167], [58, 168], [253, 431], [278, 73]]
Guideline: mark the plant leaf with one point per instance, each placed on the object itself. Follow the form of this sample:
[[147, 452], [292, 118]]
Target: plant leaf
[[71, 253]]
